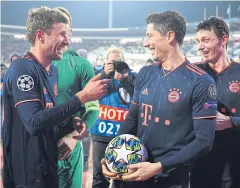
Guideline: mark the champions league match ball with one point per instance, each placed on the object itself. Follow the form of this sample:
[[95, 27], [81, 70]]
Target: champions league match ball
[[123, 150]]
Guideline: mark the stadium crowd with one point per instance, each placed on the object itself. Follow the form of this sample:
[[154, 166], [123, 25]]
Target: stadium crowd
[[70, 88]]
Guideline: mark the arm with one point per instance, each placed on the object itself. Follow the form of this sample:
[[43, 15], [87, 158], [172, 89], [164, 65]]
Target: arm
[[36, 118], [85, 73], [235, 121], [201, 145], [226, 122], [204, 129], [129, 126], [204, 123], [29, 105]]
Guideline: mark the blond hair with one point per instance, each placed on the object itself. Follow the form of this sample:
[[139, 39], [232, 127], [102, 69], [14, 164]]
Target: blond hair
[[115, 50], [66, 13]]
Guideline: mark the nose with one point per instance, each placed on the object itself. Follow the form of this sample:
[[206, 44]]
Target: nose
[[200, 46], [67, 40], [146, 43]]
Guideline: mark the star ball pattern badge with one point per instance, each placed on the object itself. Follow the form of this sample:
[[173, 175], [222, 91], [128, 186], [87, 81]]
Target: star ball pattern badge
[[212, 91], [25, 83]]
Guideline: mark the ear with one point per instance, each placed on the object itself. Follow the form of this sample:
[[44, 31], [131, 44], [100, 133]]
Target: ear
[[170, 36], [40, 36], [224, 40]]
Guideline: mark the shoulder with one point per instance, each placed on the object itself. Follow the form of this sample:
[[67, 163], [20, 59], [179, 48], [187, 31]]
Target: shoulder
[[195, 68], [25, 63], [201, 65], [198, 73], [148, 69], [81, 61], [237, 64], [146, 73]]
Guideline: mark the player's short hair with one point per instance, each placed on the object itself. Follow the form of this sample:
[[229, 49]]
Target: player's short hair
[[66, 12], [115, 50], [42, 19], [217, 24], [169, 21]]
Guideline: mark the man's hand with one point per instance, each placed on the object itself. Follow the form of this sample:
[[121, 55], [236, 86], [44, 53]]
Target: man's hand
[[65, 146], [107, 173], [223, 122], [109, 68], [94, 90], [80, 127], [142, 171]]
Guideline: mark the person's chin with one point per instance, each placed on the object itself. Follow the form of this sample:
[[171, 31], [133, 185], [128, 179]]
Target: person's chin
[[206, 60], [58, 57], [154, 58]]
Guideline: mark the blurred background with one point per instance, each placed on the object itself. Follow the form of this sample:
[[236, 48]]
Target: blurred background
[[98, 25]]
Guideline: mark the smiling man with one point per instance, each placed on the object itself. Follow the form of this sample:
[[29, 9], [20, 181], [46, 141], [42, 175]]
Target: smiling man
[[30, 110], [167, 112], [220, 168]]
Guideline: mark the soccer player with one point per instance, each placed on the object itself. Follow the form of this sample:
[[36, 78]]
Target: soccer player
[[74, 72], [168, 111], [212, 37], [30, 110]]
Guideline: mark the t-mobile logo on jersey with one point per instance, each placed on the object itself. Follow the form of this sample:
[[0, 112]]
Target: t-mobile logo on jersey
[[146, 114]]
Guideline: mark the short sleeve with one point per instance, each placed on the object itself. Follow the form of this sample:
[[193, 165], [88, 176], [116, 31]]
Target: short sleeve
[[23, 82], [204, 99]]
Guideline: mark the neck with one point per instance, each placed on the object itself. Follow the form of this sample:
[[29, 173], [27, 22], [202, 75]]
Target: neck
[[174, 59], [42, 59], [221, 63]]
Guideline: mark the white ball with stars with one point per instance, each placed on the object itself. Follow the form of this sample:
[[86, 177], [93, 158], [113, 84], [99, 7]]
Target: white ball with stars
[[123, 150], [25, 83]]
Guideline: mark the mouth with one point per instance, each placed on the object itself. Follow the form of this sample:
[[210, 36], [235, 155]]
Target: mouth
[[60, 50], [152, 50], [205, 53]]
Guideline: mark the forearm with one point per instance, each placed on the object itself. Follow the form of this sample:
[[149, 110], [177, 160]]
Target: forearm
[[36, 119], [129, 126], [235, 121], [188, 154], [205, 131]]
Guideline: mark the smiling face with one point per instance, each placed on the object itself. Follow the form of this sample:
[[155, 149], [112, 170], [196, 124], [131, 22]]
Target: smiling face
[[156, 43], [210, 47], [56, 41]]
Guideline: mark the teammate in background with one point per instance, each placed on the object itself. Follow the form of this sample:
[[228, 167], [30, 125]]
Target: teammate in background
[[106, 127], [30, 110], [74, 72], [168, 111], [220, 168]]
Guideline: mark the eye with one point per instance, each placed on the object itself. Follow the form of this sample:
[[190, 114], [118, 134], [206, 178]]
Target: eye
[[149, 35], [206, 40]]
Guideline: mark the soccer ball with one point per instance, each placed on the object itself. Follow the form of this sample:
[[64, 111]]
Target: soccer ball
[[123, 150], [25, 83]]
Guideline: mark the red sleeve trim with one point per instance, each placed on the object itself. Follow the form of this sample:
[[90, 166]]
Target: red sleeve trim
[[30, 100]]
